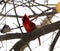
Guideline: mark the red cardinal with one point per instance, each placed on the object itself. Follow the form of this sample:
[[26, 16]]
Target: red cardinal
[[28, 25]]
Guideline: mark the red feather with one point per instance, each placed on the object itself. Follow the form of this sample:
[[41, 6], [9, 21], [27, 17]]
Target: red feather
[[28, 25]]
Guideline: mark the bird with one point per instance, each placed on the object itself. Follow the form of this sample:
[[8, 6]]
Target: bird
[[29, 25], [58, 7]]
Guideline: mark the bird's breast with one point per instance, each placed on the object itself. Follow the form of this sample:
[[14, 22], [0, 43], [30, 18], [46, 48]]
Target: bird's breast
[[27, 27]]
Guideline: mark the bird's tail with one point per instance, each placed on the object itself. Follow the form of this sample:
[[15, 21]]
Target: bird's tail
[[39, 40]]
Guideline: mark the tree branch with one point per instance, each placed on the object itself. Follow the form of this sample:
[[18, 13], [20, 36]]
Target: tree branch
[[41, 14], [36, 33], [54, 41], [33, 34]]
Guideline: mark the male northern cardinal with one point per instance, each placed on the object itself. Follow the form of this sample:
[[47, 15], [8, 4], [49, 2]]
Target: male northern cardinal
[[28, 25]]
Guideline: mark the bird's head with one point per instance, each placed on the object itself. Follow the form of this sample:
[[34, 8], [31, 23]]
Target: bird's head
[[25, 18]]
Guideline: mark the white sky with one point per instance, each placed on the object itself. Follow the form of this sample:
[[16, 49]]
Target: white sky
[[45, 40]]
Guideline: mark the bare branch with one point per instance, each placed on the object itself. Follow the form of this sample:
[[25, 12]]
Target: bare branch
[[36, 33], [54, 41], [41, 14], [33, 34], [10, 36]]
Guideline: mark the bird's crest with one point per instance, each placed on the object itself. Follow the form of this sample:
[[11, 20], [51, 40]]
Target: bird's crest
[[25, 17]]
